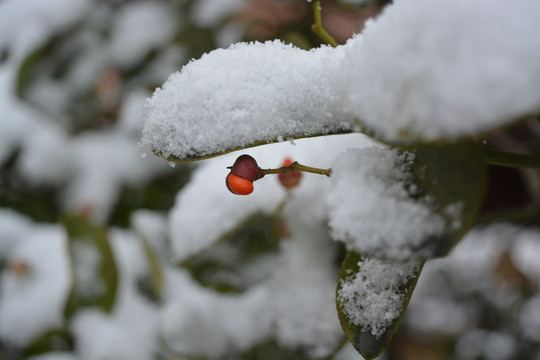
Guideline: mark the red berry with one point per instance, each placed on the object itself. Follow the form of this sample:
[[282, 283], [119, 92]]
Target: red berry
[[289, 179], [238, 185], [246, 167]]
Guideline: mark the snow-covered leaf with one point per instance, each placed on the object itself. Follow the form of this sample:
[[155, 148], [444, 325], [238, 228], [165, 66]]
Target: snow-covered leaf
[[94, 267], [446, 69], [406, 203], [246, 95], [372, 296]]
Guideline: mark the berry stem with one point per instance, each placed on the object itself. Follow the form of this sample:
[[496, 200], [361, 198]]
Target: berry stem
[[295, 166]]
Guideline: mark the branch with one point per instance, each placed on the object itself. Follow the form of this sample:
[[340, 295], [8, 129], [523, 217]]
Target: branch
[[295, 166], [501, 158], [318, 27]]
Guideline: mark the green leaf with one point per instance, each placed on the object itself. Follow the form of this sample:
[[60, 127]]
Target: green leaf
[[372, 296], [453, 177], [94, 268], [27, 68]]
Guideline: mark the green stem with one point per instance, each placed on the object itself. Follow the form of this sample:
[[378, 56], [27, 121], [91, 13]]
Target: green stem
[[500, 158], [295, 166], [318, 28]]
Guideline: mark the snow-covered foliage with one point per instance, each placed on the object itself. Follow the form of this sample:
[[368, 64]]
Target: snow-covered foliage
[[372, 186], [242, 95], [107, 252], [420, 71], [443, 69], [376, 284]]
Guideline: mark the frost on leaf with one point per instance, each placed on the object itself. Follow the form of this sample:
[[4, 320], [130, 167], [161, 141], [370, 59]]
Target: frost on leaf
[[401, 204], [246, 95], [372, 297]]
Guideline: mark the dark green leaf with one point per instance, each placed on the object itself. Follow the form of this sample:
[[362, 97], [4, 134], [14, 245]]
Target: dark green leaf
[[372, 296], [453, 177]]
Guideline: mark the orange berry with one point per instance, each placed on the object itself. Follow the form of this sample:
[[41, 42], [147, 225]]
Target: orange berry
[[238, 185], [289, 179]]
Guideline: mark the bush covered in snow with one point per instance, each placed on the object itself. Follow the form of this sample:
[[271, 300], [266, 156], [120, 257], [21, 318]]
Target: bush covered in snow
[[422, 239]]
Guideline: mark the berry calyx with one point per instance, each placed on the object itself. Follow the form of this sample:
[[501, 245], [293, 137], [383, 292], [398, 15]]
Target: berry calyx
[[246, 167], [238, 185], [289, 179]]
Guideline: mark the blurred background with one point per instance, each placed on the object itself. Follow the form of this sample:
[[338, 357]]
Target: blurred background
[[83, 215]]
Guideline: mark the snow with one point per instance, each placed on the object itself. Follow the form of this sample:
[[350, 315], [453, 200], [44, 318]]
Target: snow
[[371, 206], [298, 301], [101, 163], [27, 24], [371, 297], [152, 228], [198, 321], [452, 293], [303, 283], [94, 166], [32, 301], [208, 13], [140, 27], [14, 227], [247, 93], [443, 69], [420, 71], [529, 318], [129, 332]]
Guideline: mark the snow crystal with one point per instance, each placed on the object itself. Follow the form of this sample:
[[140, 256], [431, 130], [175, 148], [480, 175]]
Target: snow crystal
[[371, 297], [371, 209], [445, 68], [241, 95]]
